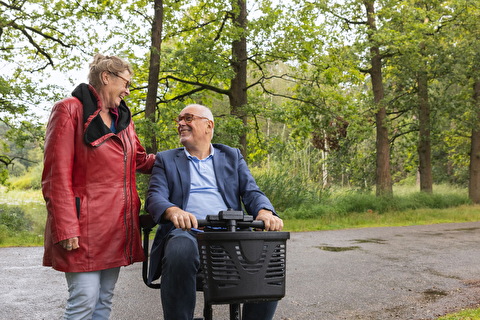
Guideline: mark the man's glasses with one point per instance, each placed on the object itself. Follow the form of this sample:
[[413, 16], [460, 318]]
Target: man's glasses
[[188, 118], [127, 82]]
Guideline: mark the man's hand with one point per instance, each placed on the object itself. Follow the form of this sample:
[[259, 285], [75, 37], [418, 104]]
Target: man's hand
[[70, 244], [271, 221], [181, 219]]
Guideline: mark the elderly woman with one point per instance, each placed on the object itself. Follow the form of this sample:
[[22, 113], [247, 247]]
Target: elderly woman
[[91, 155]]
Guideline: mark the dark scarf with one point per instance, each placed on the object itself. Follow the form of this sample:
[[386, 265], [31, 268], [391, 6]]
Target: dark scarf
[[96, 128]]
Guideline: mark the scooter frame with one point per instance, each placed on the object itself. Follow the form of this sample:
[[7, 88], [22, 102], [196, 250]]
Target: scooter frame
[[237, 265]]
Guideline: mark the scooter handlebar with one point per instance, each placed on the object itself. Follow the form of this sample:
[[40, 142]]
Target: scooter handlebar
[[257, 224]]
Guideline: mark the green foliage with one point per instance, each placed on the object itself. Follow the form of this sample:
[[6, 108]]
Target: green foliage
[[3, 176], [307, 67], [394, 218], [318, 212], [142, 185], [20, 128], [24, 214], [13, 218], [361, 202], [37, 40], [228, 130], [30, 180], [285, 190]]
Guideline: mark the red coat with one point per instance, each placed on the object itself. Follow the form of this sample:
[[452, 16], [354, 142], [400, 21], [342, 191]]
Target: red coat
[[89, 186]]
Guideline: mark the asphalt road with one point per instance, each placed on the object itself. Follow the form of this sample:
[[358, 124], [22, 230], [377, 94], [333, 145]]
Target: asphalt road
[[417, 272]]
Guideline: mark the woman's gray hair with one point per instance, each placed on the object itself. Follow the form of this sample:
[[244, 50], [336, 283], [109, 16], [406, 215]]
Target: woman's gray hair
[[111, 64]]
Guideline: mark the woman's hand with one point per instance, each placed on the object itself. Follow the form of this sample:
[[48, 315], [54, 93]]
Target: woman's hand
[[70, 244]]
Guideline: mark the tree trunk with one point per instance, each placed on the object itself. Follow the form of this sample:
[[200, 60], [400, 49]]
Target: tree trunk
[[474, 169], [153, 75], [424, 143], [383, 175], [238, 85]]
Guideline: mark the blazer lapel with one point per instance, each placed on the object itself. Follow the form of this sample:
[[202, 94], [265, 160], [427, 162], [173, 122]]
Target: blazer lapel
[[218, 167], [181, 162]]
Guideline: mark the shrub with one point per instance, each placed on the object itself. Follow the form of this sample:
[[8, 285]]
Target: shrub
[[3, 233], [343, 204], [355, 202], [13, 219], [431, 200], [30, 180], [307, 211], [286, 190]]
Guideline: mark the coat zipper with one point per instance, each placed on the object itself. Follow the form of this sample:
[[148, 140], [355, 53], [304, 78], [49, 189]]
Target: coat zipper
[[125, 158], [128, 193]]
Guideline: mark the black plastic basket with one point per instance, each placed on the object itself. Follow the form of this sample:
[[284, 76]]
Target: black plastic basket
[[243, 266]]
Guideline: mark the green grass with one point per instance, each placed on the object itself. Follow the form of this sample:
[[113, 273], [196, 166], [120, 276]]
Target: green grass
[[469, 314], [369, 219], [33, 206]]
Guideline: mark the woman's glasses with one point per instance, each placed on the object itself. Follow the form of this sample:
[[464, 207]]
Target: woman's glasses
[[127, 82]]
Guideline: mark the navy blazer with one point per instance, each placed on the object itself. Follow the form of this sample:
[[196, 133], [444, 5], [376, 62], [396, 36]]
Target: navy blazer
[[170, 186]]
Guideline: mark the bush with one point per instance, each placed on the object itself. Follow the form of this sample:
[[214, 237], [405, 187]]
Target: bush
[[285, 190], [3, 233], [31, 180], [358, 202], [431, 200], [297, 196], [13, 219], [307, 211], [355, 202]]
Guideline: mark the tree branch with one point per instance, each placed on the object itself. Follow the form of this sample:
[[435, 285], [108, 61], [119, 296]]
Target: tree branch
[[40, 50], [348, 21], [182, 96], [219, 32], [7, 160], [13, 7], [96, 13], [199, 84], [313, 103]]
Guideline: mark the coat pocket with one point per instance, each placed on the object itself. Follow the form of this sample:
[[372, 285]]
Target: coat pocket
[[77, 205]]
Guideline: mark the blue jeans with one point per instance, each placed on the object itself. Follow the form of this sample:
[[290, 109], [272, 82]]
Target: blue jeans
[[90, 294], [180, 265]]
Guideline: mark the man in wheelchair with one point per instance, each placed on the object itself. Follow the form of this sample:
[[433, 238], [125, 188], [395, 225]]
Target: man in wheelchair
[[188, 184]]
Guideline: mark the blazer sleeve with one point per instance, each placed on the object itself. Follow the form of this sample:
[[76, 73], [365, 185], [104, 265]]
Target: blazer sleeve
[[159, 190]]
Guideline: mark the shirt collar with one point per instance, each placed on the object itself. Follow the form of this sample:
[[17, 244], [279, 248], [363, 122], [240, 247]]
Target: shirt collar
[[189, 156]]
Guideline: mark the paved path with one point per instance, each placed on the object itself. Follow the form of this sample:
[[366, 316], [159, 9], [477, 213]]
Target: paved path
[[416, 272]]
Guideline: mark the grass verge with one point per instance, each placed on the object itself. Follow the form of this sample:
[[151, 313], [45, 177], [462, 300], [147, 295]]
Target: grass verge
[[32, 207], [469, 314], [369, 219]]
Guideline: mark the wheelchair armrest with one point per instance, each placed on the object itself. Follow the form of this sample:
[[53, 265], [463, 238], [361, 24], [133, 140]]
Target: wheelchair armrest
[[146, 222]]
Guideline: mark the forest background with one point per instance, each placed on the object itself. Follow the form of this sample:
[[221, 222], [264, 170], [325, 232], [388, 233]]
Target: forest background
[[323, 97], [338, 106]]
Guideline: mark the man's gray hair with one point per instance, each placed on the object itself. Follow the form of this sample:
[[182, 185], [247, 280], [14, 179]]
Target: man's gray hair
[[206, 112]]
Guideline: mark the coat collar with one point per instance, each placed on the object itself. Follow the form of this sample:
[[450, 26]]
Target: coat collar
[[94, 128]]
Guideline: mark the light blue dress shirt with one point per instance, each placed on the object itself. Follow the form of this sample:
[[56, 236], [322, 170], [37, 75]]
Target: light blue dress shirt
[[204, 196]]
